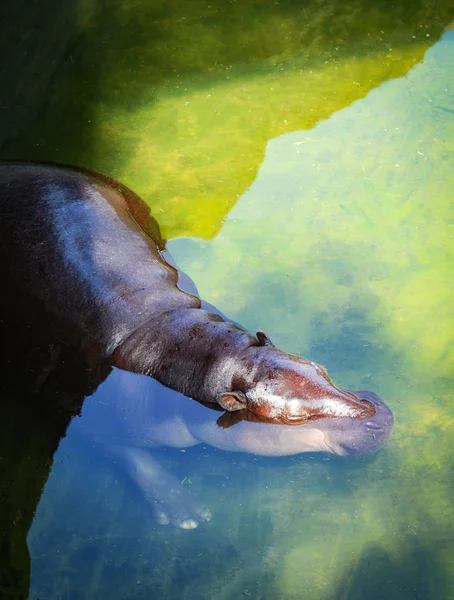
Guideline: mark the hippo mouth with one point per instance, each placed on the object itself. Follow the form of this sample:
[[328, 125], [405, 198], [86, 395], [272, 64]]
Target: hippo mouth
[[357, 437], [361, 449], [359, 441]]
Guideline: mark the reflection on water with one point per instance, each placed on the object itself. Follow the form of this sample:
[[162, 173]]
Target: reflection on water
[[341, 248], [95, 481]]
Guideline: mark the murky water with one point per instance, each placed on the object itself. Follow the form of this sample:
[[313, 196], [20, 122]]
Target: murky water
[[301, 164]]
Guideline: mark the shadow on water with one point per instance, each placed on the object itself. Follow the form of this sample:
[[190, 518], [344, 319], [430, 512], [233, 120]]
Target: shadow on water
[[416, 574], [37, 403], [123, 87]]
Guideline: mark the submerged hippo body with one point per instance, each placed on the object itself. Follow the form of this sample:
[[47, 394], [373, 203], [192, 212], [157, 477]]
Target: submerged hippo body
[[81, 254], [131, 414]]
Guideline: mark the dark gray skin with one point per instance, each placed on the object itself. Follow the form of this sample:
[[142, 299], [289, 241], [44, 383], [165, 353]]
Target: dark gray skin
[[130, 414], [81, 253]]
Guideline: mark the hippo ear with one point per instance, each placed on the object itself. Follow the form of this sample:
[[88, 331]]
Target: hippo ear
[[232, 401], [263, 339], [228, 419]]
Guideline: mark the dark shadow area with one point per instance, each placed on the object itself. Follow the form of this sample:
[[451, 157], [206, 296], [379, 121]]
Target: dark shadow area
[[416, 574], [66, 65], [35, 38], [38, 400]]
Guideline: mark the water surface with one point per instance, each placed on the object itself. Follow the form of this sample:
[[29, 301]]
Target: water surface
[[303, 172]]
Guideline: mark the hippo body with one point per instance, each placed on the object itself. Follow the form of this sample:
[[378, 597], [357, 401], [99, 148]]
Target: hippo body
[[81, 254], [131, 414]]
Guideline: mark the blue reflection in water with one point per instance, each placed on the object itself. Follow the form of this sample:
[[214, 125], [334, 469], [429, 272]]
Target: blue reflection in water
[[111, 476]]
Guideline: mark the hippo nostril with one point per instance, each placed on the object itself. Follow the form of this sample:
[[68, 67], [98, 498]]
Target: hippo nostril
[[372, 426]]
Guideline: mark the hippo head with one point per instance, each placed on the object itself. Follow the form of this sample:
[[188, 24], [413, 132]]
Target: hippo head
[[284, 388], [343, 436]]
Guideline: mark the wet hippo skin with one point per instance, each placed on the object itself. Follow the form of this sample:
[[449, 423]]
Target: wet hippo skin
[[81, 253], [130, 414]]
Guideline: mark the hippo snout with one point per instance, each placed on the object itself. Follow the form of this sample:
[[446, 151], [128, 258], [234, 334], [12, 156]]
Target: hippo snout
[[383, 419], [356, 437]]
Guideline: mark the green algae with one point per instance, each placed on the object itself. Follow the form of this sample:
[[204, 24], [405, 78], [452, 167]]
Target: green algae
[[178, 100]]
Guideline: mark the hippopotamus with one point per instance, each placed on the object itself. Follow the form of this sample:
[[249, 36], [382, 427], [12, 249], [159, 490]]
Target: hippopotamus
[[131, 414], [82, 255]]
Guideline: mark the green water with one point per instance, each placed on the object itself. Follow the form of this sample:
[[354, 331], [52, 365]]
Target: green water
[[300, 158]]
